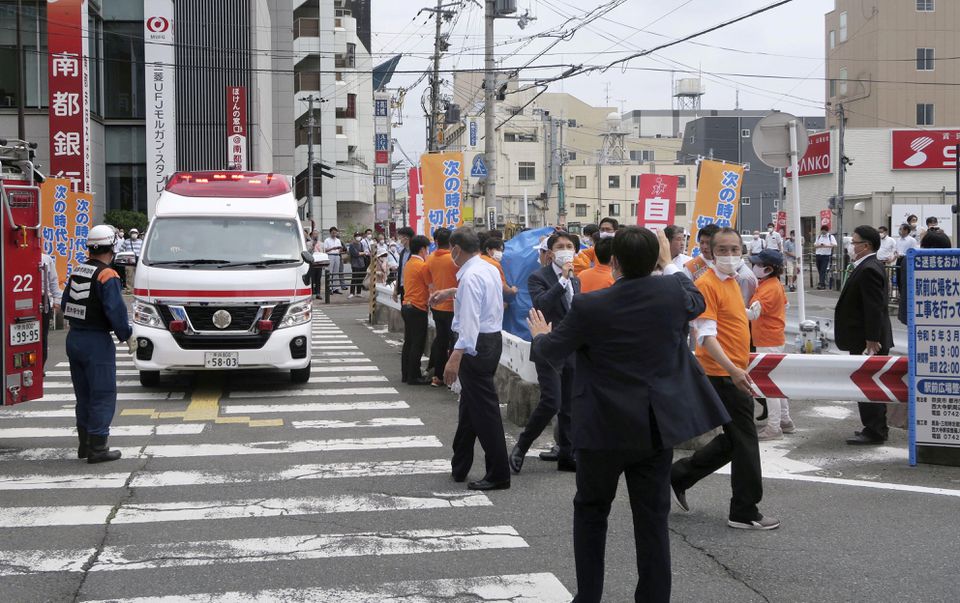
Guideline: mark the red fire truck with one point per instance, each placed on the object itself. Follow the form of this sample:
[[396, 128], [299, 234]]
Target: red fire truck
[[21, 245]]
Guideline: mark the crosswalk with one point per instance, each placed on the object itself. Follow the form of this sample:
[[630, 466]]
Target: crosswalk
[[349, 500]]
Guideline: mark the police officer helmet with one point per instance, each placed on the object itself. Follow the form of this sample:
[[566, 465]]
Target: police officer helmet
[[101, 238]]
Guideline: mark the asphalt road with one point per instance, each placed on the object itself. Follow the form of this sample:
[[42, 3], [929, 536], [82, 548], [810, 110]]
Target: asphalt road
[[298, 499]]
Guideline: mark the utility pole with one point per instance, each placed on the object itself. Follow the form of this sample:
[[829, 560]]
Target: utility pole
[[21, 67], [435, 81], [311, 124], [841, 269], [489, 108]]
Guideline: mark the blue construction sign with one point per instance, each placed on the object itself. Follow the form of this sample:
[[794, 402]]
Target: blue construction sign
[[479, 168]]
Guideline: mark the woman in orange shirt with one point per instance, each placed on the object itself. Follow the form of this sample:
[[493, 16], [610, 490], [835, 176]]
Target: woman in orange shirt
[[768, 312], [601, 275]]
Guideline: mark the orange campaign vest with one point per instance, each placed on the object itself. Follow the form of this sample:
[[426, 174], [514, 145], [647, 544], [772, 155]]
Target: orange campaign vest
[[697, 267]]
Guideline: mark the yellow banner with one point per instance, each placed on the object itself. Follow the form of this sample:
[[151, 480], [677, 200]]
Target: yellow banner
[[718, 197], [66, 221], [443, 190]]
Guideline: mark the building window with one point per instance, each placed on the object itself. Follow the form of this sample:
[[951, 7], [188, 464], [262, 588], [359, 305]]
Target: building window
[[613, 209], [123, 74], [571, 123], [744, 200], [580, 182], [833, 39], [527, 171], [633, 209], [613, 181], [843, 27], [641, 156], [843, 81], [519, 137], [581, 211], [924, 59], [925, 114], [681, 209], [925, 6], [338, 76], [681, 182], [634, 181], [571, 156], [126, 186], [339, 130], [833, 88]]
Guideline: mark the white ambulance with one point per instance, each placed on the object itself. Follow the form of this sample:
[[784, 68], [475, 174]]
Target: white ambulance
[[223, 281]]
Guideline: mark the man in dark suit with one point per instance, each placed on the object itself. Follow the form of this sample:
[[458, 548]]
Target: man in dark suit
[[551, 292], [404, 233], [862, 322], [637, 393]]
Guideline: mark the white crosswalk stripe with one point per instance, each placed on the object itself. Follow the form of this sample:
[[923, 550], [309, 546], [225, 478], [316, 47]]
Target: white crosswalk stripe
[[363, 437]]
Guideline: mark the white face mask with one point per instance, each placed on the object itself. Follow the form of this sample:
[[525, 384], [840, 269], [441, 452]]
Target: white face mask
[[134, 235], [883, 235], [760, 272], [606, 235], [562, 257], [498, 255], [851, 251], [727, 264]]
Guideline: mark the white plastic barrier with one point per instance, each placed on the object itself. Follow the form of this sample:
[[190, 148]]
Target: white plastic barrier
[[516, 351]]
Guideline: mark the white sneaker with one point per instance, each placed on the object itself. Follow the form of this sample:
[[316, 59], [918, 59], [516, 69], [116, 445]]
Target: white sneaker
[[788, 427], [760, 523], [351, 296], [769, 433]]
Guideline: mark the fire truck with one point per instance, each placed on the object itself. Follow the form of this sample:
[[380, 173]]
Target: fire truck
[[21, 244]]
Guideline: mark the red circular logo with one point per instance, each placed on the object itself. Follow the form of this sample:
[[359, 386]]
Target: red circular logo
[[158, 24]]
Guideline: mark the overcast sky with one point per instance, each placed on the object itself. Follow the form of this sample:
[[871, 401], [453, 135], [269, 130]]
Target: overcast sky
[[786, 41]]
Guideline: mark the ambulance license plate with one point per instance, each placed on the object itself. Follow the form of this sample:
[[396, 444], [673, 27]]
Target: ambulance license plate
[[221, 360], [25, 333]]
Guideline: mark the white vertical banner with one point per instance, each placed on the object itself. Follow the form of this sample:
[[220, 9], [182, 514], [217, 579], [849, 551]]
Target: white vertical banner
[[159, 82]]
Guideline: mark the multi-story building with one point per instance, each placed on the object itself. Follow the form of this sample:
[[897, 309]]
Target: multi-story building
[[891, 63], [205, 62], [332, 63], [728, 138], [572, 162]]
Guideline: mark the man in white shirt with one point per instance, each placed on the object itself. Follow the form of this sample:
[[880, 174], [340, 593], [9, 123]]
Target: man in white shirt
[[823, 251], [51, 296], [774, 239], [906, 242], [678, 241], [333, 247], [758, 244], [478, 322], [888, 247]]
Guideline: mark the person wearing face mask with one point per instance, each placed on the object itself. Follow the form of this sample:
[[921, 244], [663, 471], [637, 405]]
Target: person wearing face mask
[[357, 266], [723, 349], [552, 289], [862, 323], [888, 248], [493, 255], [601, 275], [414, 312], [704, 262], [441, 274], [133, 244], [912, 222], [774, 239], [588, 257], [823, 251], [767, 314]]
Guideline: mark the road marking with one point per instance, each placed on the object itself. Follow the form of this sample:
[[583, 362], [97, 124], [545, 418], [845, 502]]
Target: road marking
[[160, 479], [115, 430], [338, 360], [330, 337], [241, 449], [69, 385], [376, 422], [120, 373], [344, 369], [283, 393], [256, 550], [133, 513], [67, 365], [544, 588], [337, 354], [120, 396], [333, 347], [37, 414], [204, 406], [313, 407]]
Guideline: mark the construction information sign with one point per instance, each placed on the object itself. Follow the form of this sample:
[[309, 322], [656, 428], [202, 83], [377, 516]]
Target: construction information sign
[[933, 295]]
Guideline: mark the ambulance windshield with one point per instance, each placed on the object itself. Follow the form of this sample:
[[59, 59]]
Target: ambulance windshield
[[216, 243]]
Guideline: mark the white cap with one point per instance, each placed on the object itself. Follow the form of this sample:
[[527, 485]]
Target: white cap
[[543, 244], [134, 230], [101, 235]]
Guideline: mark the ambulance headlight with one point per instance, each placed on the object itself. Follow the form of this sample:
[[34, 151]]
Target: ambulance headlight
[[297, 314], [146, 315]]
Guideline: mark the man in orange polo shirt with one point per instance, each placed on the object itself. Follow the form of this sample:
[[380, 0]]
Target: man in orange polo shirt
[[587, 257], [601, 275], [414, 311], [441, 274], [723, 349], [493, 254]]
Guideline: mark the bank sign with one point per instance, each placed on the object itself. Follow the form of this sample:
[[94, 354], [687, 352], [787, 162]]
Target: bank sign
[[817, 158], [924, 149]]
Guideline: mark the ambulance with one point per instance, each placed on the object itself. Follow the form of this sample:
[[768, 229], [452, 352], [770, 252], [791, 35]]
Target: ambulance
[[222, 282]]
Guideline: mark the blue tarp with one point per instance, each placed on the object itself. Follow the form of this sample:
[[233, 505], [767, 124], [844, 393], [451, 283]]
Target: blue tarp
[[520, 260]]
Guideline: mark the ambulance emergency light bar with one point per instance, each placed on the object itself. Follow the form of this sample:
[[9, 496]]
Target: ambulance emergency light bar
[[227, 184]]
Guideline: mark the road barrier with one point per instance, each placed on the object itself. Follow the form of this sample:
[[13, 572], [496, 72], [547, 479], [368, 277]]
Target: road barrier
[[830, 377]]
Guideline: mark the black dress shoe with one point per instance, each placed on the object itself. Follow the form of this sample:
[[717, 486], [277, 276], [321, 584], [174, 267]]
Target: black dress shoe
[[551, 455], [566, 464], [516, 458], [862, 439], [483, 484], [458, 478], [419, 382]]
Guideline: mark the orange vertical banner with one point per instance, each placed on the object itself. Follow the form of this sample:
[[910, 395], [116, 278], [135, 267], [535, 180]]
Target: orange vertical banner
[[443, 189], [65, 224], [718, 198]]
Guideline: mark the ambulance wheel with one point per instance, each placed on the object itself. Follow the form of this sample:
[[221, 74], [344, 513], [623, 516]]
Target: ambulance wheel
[[150, 378], [300, 375]]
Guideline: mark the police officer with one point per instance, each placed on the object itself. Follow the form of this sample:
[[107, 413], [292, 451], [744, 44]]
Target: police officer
[[93, 304]]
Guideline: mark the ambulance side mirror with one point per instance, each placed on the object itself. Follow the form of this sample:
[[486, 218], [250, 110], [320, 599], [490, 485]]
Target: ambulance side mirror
[[307, 257]]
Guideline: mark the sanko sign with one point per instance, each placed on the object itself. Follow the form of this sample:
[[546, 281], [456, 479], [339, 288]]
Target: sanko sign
[[924, 149], [817, 158]]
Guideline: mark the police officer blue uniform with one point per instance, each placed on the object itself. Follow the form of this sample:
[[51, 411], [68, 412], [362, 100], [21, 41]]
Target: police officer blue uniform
[[93, 305]]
